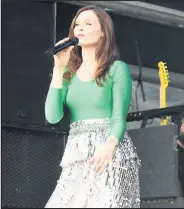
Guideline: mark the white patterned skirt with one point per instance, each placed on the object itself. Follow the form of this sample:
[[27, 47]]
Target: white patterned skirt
[[80, 186]]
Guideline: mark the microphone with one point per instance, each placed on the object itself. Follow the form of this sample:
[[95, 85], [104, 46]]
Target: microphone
[[71, 42]]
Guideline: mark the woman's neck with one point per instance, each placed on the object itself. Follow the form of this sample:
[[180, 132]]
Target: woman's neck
[[89, 57]]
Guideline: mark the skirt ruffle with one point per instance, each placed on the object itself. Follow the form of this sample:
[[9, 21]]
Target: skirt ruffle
[[80, 186]]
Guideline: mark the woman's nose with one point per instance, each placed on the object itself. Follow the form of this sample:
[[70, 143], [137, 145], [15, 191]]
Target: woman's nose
[[81, 29]]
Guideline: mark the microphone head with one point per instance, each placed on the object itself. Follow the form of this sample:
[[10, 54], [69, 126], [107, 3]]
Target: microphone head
[[74, 40]]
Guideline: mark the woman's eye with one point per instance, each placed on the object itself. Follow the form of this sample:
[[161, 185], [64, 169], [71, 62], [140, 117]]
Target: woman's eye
[[88, 23], [76, 25]]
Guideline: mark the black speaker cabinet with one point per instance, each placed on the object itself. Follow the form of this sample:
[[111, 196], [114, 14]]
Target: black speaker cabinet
[[30, 166], [156, 147]]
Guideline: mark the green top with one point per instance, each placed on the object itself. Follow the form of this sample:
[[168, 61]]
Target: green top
[[87, 100]]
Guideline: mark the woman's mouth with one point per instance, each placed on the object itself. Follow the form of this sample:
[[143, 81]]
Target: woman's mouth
[[80, 36]]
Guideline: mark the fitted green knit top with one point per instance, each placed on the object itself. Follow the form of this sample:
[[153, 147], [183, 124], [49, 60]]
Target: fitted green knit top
[[87, 100]]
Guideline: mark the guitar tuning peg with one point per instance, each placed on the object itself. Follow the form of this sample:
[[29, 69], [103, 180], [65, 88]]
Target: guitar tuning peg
[[161, 64]]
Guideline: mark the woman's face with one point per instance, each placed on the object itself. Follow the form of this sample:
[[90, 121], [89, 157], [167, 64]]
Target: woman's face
[[87, 29]]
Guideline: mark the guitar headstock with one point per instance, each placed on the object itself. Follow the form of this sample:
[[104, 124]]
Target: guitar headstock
[[163, 74]]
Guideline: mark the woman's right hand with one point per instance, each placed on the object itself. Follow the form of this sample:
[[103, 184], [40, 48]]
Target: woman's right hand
[[61, 59]]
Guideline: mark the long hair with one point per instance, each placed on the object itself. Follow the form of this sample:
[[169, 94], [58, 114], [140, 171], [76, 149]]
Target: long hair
[[106, 52]]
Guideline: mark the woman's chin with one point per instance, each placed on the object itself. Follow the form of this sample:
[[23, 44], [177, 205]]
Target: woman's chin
[[85, 44], [82, 43]]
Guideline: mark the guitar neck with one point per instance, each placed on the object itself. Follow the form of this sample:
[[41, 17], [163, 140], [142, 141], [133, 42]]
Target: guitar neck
[[163, 97], [163, 75], [163, 104]]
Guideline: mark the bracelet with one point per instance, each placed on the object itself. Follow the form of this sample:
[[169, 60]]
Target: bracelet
[[113, 140]]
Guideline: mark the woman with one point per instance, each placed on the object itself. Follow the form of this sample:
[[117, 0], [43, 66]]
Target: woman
[[180, 143], [179, 120], [100, 167]]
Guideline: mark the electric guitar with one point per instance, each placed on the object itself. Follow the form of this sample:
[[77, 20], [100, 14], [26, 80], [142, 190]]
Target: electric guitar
[[164, 82]]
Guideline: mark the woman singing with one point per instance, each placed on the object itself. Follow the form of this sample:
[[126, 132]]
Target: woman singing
[[100, 166]]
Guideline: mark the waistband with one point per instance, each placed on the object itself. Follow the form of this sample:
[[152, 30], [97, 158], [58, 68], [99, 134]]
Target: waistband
[[98, 121]]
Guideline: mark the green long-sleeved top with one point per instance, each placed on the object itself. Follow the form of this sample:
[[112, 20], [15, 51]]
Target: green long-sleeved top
[[87, 100]]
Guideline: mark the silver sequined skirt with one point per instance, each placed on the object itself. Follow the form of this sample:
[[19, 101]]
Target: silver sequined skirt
[[80, 186]]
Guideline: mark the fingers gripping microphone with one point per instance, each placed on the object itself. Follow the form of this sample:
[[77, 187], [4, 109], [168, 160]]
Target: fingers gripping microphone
[[71, 42]]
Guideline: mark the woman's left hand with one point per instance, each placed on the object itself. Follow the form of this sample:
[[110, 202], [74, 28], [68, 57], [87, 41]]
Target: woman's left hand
[[103, 156]]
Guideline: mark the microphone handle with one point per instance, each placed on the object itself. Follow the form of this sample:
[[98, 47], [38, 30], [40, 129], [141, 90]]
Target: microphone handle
[[63, 44], [58, 48], [62, 47]]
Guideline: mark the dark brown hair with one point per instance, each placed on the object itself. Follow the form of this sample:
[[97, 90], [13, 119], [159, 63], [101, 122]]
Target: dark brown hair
[[106, 52]]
